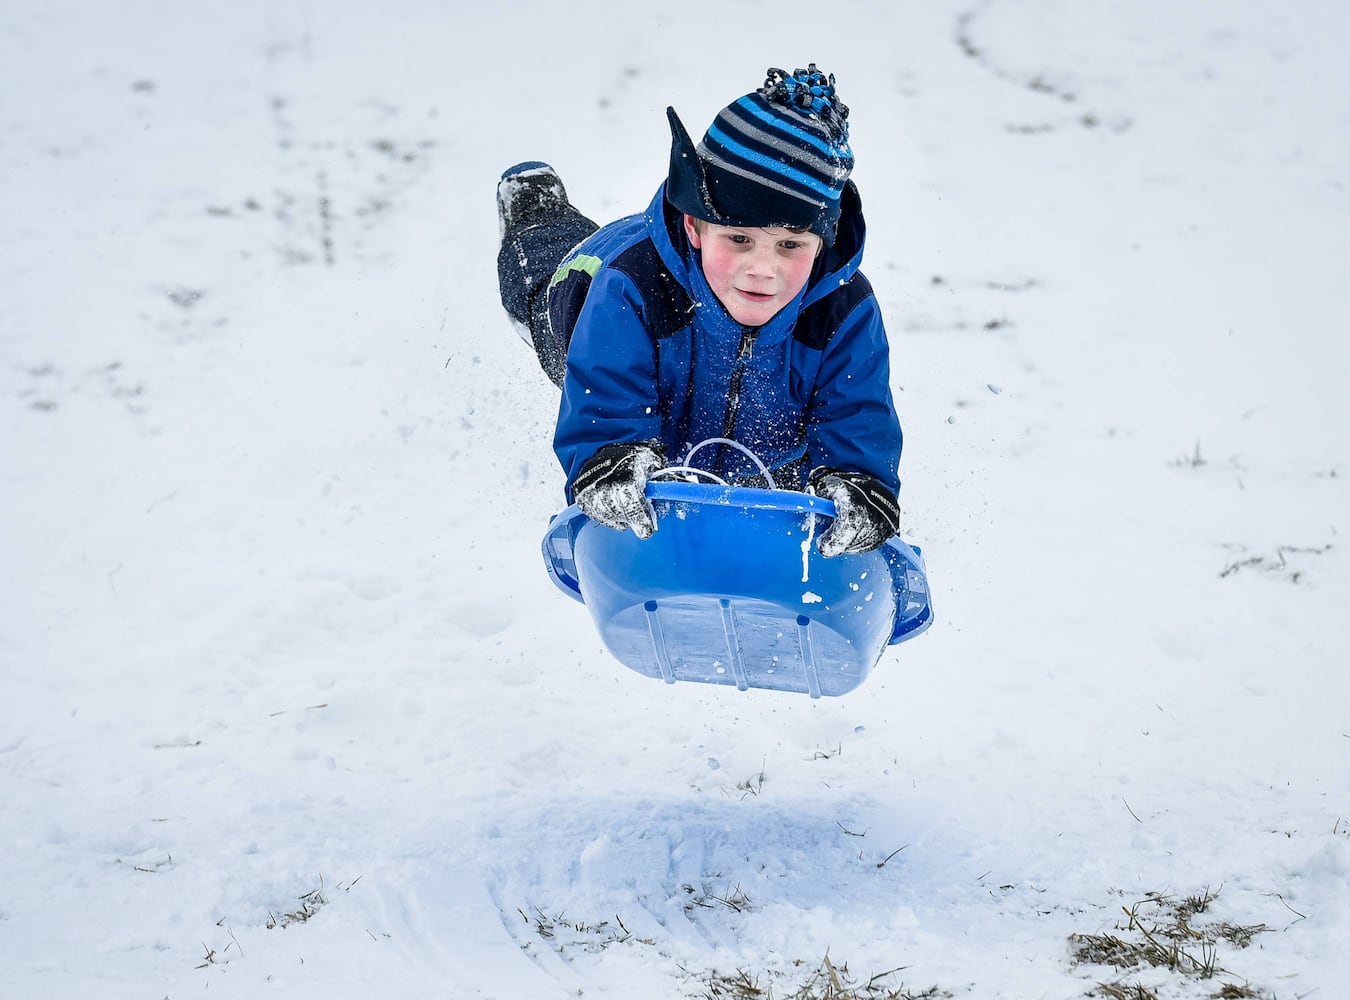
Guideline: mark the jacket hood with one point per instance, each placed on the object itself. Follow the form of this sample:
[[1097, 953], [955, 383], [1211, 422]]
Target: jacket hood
[[839, 262]]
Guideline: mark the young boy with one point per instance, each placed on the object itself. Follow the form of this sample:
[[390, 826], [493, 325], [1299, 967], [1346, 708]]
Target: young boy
[[732, 309]]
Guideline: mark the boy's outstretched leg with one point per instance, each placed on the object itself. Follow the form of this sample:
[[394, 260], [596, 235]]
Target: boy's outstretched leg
[[539, 227]]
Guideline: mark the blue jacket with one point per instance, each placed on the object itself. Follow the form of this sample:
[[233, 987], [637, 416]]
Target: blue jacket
[[654, 356]]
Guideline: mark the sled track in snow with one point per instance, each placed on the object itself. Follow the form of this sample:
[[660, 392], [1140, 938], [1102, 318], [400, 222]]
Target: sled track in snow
[[1038, 83], [677, 887]]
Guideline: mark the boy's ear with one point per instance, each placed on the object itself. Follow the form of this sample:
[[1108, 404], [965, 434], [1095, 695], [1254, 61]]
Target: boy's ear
[[691, 230]]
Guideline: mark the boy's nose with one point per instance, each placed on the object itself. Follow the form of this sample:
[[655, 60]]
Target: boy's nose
[[761, 262]]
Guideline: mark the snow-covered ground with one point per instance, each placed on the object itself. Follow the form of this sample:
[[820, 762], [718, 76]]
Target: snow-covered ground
[[288, 706]]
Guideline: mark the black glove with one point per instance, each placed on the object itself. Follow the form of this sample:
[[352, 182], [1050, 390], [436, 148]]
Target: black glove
[[609, 487], [866, 513]]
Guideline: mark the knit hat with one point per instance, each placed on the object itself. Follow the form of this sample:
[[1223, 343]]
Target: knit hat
[[776, 157]]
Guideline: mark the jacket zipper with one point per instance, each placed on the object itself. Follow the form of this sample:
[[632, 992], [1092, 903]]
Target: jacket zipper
[[743, 354]]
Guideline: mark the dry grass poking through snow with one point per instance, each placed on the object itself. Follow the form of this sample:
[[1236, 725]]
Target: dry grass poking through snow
[[1162, 932], [827, 982]]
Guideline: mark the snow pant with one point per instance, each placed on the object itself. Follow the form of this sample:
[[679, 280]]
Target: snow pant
[[525, 266]]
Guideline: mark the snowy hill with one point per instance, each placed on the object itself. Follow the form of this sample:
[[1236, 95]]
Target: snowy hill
[[288, 705]]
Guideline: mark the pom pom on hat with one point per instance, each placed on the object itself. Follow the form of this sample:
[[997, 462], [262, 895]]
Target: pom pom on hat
[[776, 157]]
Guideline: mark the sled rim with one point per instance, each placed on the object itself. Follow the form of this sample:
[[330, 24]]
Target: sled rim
[[559, 540]]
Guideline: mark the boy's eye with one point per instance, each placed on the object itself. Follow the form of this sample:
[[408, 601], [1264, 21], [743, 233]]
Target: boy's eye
[[792, 244], [739, 238]]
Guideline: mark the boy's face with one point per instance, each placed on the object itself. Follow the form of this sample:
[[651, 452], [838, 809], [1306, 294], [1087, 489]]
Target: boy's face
[[753, 272]]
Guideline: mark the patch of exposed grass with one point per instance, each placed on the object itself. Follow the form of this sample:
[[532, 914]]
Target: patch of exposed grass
[[752, 785], [803, 981], [1167, 932], [707, 898], [310, 904], [827, 981], [823, 981], [562, 933]]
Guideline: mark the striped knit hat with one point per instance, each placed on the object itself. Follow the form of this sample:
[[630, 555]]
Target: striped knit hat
[[776, 157]]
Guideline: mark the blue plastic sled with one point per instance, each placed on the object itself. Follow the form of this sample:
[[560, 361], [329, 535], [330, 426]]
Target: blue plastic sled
[[731, 590]]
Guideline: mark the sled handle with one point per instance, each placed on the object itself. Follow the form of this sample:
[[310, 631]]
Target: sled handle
[[558, 556], [748, 497]]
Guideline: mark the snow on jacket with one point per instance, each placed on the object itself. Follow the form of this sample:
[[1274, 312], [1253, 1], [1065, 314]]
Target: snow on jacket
[[654, 356]]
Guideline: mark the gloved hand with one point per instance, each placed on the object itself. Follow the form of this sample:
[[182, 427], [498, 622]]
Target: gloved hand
[[609, 487], [866, 512]]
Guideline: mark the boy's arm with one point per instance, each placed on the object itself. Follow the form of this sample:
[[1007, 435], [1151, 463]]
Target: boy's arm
[[851, 423], [609, 394]]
